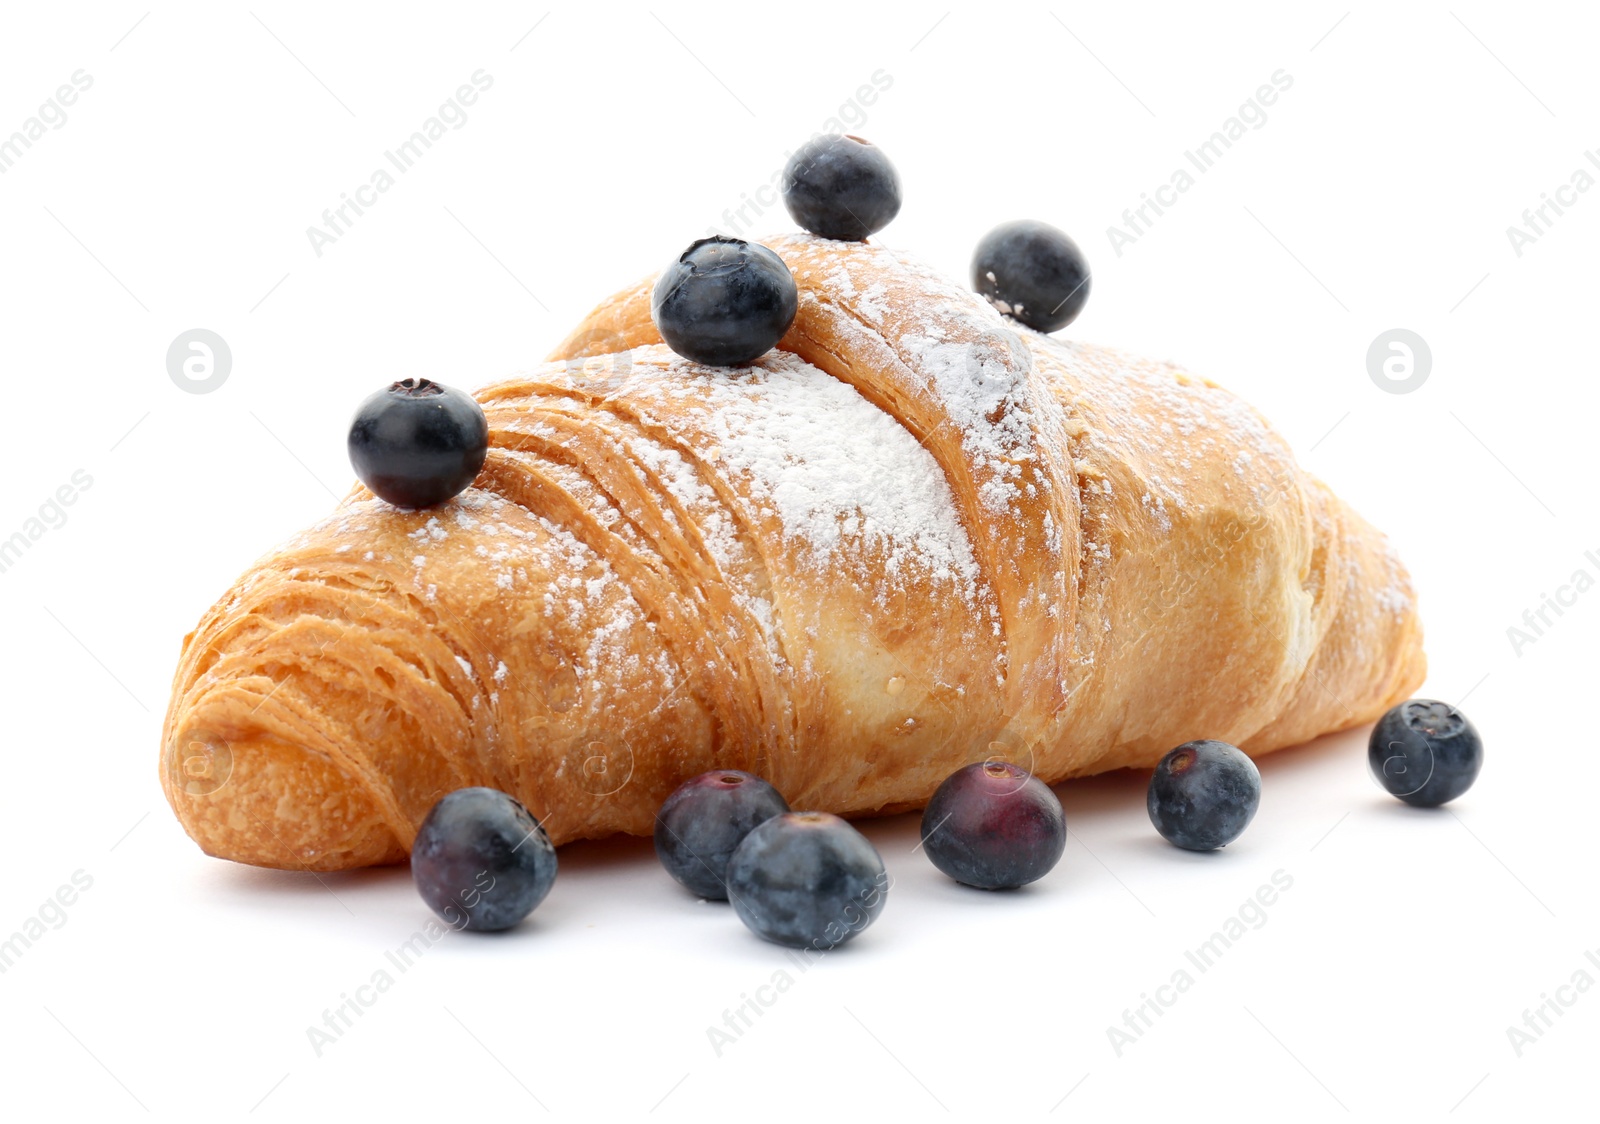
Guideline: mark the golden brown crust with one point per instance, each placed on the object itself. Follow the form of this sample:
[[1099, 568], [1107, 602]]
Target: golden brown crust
[[914, 536]]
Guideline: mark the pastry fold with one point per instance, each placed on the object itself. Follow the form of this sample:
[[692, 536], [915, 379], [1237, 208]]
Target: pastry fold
[[914, 536]]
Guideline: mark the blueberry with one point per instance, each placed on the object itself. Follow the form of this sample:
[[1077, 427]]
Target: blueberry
[[481, 861], [1203, 795], [417, 443], [841, 187], [1425, 752], [995, 826], [724, 302], [705, 819], [1032, 272], [807, 879]]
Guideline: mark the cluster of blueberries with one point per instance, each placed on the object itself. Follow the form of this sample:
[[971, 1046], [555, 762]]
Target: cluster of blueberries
[[810, 880], [725, 303]]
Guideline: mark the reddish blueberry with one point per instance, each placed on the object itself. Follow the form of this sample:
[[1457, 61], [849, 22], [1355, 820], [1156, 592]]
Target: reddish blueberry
[[994, 825]]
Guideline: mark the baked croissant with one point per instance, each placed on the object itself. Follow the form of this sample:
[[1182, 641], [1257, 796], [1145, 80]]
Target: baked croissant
[[914, 536]]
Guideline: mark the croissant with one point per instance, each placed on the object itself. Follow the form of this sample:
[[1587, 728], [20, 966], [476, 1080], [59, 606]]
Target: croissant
[[914, 536]]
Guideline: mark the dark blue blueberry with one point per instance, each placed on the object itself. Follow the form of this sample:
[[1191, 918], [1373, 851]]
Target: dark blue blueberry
[[417, 443], [724, 303], [705, 819], [841, 187], [807, 880], [1032, 272], [995, 826], [481, 861], [1425, 752], [1203, 795]]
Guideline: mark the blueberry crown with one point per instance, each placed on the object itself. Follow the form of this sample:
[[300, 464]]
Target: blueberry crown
[[416, 388]]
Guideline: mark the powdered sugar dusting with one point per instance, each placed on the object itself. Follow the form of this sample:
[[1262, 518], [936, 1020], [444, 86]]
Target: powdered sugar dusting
[[831, 466], [984, 386], [870, 303], [1396, 596], [963, 353]]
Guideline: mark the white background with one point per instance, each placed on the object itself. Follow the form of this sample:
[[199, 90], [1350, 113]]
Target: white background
[[1377, 195]]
